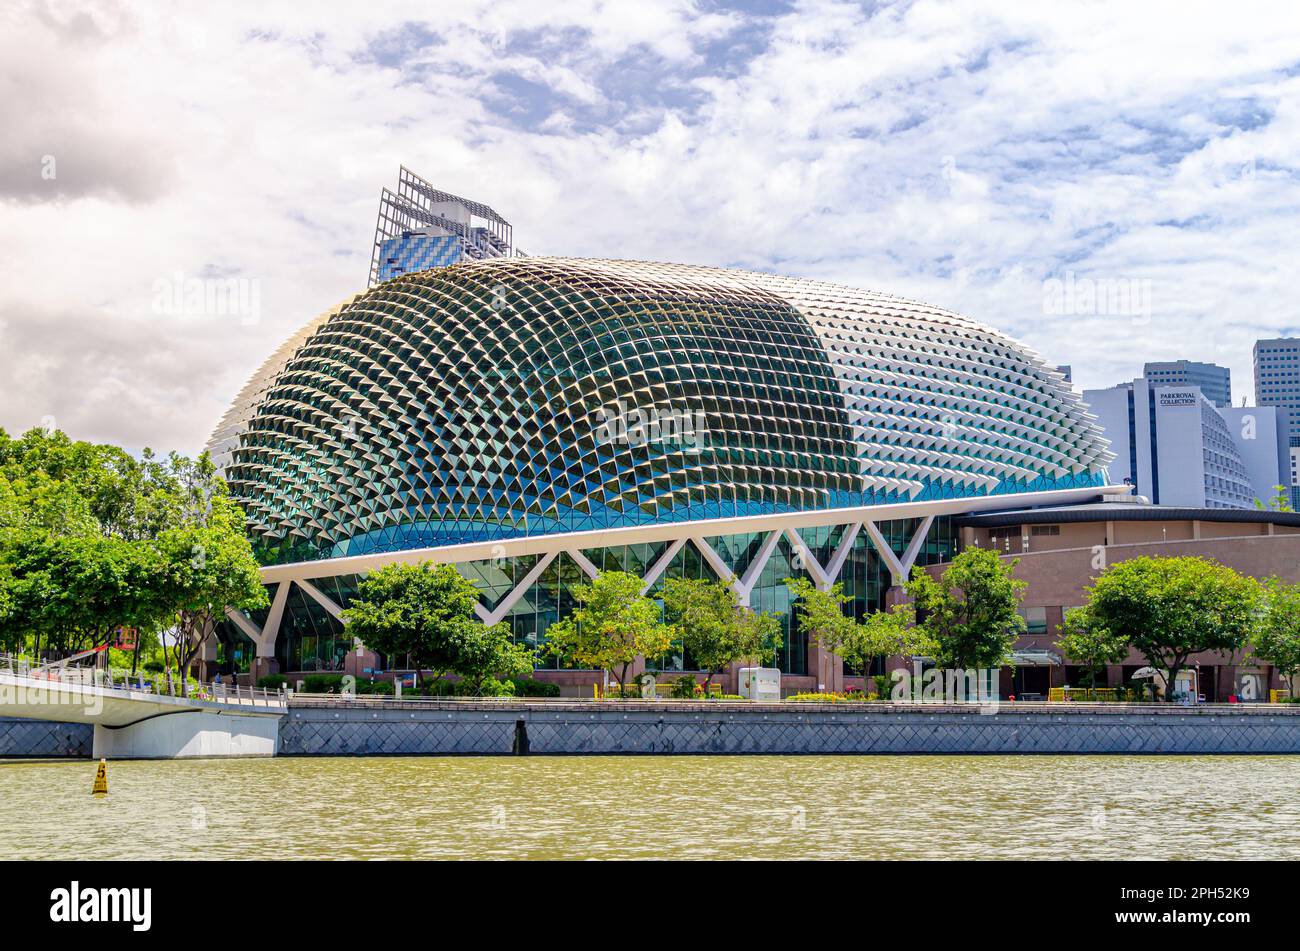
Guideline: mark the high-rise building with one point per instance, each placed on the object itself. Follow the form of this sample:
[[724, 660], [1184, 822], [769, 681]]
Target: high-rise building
[[1260, 435], [1277, 383], [421, 227], [1179, 449], [1214, 381]]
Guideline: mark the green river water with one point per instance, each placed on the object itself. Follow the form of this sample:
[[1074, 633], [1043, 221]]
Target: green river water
[[899, 807]]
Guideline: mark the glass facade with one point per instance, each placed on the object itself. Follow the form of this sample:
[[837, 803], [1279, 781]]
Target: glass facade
[[416, 251], [311, 639]]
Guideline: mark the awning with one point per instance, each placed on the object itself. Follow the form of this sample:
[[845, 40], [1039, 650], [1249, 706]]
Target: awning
[[1043, 658]]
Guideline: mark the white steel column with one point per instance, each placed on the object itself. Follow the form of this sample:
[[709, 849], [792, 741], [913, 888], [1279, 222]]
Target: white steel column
[[720, 567], [320, 597], [510, 600], [661, 564], [899, 569], [842, 553], [584, 563], [756, 566], [271, 629], [811, 564]]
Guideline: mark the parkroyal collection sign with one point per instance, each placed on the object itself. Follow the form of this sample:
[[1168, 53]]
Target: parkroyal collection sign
[[1178, 398]]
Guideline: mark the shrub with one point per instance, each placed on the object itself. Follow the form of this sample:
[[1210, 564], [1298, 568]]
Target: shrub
[[530, 687], [826, 697], [683, 688], [322, 683], [272, 682], [438, 688], [376, 688], [491, 687]]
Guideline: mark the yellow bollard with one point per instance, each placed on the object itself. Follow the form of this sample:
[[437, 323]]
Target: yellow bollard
[[595, 691], [100, 789]]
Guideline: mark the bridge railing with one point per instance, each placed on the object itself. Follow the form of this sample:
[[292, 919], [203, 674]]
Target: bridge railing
[[157, 684]]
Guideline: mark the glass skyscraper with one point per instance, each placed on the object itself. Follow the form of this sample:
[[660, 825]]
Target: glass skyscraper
[[1214, 381], [1277, 383]]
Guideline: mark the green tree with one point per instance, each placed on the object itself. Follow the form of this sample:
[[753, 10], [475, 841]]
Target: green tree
[[1171, 608], [613, 624], [88, 542], [482, 651], [73, 593], [858, 643], [888, 633], [821, 613], [1280, 501], [970, 612], [1277, 637], [426, 613], [715, 628], [1091, 643], [208, 566]]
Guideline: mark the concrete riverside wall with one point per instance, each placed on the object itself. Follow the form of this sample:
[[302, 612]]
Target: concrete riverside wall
[[368, 728], [187, 735], [23, 738]]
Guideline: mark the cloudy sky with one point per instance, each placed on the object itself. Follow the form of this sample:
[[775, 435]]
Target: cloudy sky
[[967, 154]]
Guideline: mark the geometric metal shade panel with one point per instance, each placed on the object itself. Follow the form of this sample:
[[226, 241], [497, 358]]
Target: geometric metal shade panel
[[472, 403]]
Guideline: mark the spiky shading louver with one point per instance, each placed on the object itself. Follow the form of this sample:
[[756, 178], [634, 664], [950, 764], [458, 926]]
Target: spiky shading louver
[[475, 402]]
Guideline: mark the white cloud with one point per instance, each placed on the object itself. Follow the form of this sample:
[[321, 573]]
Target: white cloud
[[959, 153]]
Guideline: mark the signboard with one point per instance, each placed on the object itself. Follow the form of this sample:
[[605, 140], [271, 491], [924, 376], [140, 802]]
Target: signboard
[[1178, 398]]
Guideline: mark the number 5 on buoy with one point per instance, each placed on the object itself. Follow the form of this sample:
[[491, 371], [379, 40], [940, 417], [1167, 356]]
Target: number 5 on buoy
[[101, 780]]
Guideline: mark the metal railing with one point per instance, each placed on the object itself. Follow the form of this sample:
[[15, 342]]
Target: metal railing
[[161, 685], [1004, 704]]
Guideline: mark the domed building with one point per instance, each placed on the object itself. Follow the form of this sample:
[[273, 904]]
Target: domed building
[[534, 420]]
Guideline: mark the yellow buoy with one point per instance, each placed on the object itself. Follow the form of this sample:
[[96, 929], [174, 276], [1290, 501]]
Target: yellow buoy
[[101, 780]]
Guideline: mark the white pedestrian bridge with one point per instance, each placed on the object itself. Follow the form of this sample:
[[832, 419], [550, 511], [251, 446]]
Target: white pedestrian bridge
[[135, 718]]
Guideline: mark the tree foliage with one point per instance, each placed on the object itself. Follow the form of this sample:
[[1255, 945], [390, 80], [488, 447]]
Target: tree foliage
[[1171, 608], [93, 539], [1091, 643], [970, 613], [1280, 501], [613, 624], [715, 628], [1277, 639], [426, 613], [878, 634]]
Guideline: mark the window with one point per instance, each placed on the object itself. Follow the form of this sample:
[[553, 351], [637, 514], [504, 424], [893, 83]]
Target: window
[[1045, 530], [1035, 620]]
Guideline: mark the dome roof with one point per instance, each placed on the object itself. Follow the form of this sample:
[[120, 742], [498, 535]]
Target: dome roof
[[516, 396]]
